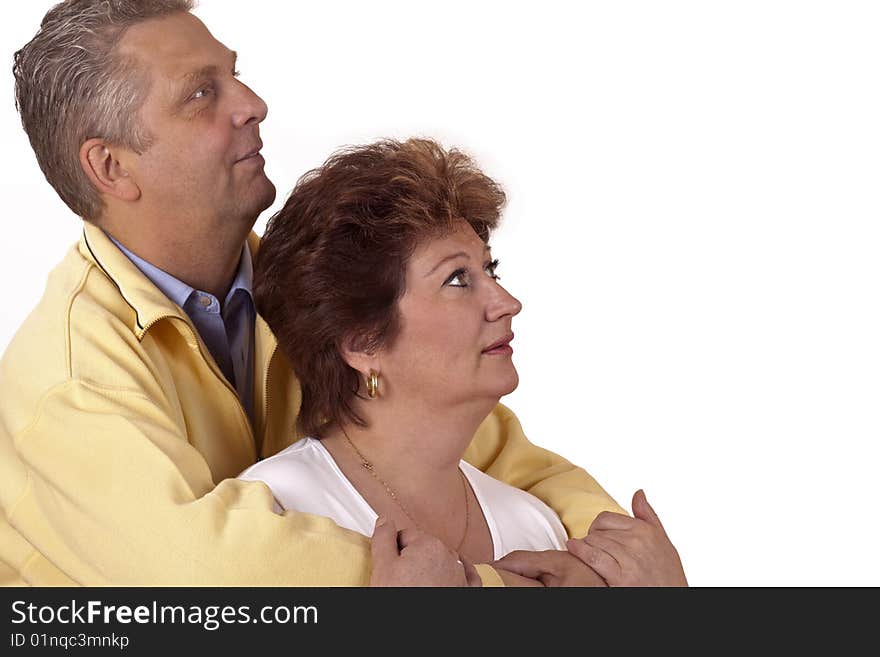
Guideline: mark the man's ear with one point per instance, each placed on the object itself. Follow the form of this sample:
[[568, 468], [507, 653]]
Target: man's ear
[[99, 161], [359, 356]]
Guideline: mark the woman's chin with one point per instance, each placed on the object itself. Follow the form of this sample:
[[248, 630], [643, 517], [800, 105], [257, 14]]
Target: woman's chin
[[508, 385], [492, 387]]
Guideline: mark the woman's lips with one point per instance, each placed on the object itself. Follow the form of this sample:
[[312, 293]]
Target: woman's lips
[[503, 350], [500, 348]]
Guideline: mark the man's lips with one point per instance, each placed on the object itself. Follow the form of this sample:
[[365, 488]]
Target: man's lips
[[252, 154], [502, 346]]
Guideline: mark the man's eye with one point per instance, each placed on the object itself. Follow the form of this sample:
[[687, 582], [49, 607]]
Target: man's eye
[[203, 92], [490, 269], [457, 279]]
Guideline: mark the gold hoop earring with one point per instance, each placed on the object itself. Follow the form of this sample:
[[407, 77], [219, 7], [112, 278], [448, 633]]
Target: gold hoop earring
[[373, 384]]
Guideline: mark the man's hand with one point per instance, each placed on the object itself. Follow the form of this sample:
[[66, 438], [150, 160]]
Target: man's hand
[[549, 568], [631, 551], [513, 580], [414, 558]]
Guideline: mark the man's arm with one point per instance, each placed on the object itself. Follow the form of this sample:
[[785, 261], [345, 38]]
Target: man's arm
[[115, 495], [501, 450], [631, 551]]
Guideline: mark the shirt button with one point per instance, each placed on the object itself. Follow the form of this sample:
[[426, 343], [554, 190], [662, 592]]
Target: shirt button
[[205, 301]]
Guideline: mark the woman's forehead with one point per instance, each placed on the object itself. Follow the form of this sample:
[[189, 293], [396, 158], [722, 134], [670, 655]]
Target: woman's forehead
[[461, 238]]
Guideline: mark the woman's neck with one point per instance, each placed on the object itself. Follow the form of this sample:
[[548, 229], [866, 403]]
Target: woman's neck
[[412, 472], [412, 449]]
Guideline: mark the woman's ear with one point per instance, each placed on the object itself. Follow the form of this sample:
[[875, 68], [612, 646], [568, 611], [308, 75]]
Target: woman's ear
[[356, 352], [101, 164]]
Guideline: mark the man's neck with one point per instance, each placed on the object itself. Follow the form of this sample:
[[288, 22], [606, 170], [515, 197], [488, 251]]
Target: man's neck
[[205, 263]]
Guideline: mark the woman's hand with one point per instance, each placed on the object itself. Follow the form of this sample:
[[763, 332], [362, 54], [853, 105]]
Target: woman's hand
[[631, 551], [413, 558]]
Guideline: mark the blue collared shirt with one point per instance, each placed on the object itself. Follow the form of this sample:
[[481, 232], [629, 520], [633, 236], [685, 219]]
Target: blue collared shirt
[[227, 329]]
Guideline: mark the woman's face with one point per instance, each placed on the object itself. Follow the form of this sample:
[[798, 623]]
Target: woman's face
[[454, 341]]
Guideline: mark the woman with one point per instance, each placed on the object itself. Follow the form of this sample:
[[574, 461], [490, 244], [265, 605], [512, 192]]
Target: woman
[[378, 281]]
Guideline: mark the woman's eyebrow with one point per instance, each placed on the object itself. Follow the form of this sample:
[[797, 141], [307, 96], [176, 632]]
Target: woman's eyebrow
[[460, 254], [453, 256]]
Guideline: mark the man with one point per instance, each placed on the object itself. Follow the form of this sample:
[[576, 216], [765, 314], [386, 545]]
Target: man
[[143, 382]]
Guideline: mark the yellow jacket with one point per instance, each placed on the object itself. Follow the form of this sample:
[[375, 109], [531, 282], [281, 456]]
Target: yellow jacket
[[120, 439]]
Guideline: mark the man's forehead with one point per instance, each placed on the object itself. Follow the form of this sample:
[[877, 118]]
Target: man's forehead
[[178, 45], [195, 74]]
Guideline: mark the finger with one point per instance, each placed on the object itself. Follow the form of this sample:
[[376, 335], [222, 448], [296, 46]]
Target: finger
[[471, 575], [408, 536], [528, 564], [512, 579], [384, 544], [641, 546], [616, 545], [549, 580], [596, 558], [627, 540], [609, 520], [644, 511]]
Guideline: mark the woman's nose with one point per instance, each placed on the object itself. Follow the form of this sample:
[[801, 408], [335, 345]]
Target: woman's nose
[[502, 304]]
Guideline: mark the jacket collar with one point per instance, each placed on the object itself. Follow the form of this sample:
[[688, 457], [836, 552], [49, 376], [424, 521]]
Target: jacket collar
[[149, 304]]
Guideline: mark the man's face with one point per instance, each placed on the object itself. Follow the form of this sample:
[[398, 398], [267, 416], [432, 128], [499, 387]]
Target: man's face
[[203, 168]]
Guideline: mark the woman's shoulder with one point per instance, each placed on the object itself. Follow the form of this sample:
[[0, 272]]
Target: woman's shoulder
[[495, 490], [522, 521], [304, 477], [303, 455]]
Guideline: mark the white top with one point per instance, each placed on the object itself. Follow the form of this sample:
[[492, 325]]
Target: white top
[[304, 477]]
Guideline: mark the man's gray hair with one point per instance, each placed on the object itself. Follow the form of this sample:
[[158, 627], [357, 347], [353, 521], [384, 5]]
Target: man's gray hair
[[71, 86]]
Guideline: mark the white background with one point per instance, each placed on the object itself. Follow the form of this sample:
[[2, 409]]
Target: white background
[[692, 228]]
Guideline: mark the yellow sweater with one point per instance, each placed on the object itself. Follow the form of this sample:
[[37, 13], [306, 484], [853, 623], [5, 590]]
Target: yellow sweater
[[120, 439]]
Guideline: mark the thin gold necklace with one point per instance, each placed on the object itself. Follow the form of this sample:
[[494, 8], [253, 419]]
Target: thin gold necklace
[[372, 470]]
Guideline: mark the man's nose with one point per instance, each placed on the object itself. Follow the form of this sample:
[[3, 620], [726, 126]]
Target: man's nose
[[249, 107]]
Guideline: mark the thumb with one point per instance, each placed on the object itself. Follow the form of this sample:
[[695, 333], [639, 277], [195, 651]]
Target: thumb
[[384, 543], [525, 563], [644, 511], [471, 575]]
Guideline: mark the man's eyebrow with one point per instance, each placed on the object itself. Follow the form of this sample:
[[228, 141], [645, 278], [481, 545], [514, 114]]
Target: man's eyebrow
[[196, 76], [453, 256], [206, 71]]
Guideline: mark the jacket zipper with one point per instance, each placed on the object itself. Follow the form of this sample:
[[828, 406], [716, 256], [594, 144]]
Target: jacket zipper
[[266, 399], [215, 369]]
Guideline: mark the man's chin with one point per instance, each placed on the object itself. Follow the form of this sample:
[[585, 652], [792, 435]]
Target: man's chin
[[262, 196], [270, 197]]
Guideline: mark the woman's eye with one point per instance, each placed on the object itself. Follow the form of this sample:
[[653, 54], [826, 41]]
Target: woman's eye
[[457, 279], [490, 269]]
